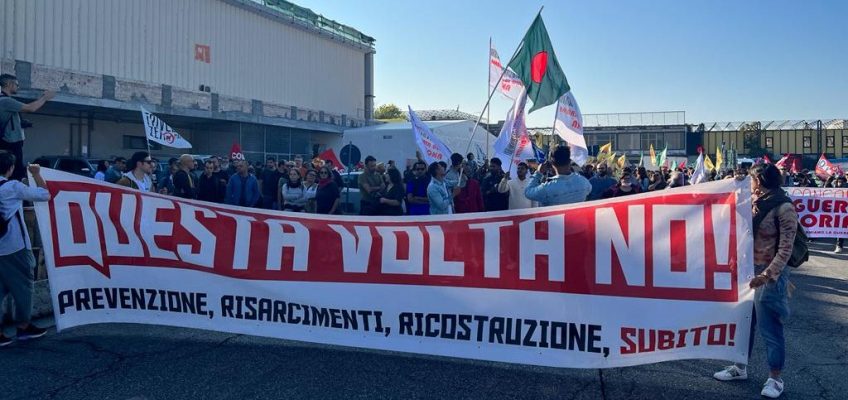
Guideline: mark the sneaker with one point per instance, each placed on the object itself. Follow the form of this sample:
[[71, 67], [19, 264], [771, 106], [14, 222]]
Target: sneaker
[[4, 341], [732, 373], [31, 332], [773, 388], [838, 249]]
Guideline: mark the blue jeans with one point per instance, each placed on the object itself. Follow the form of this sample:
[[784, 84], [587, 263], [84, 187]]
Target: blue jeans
[[771, 309]]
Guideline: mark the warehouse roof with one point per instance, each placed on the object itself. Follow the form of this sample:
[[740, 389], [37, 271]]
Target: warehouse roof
[[444, 115], [307, 17], [778, 125]]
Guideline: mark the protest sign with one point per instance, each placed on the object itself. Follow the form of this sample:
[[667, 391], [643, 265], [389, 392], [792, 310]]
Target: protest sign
[[545, 286], [823, 212]]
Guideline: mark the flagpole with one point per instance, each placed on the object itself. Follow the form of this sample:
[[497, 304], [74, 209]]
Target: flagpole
[[486, 106], [553, 127], [488, 110]]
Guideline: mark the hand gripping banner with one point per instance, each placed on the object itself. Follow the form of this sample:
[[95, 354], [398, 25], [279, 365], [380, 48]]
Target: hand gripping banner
[[641, 279]]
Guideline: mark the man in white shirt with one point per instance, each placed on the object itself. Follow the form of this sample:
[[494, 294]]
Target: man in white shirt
[[516, 187], [16, 260]]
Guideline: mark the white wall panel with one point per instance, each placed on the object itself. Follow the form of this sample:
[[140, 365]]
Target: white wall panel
[[153, 41]]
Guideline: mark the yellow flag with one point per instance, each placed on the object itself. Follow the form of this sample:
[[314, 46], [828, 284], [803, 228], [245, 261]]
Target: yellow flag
[[718, 159], [653, 156], [622, 160], [611, 158], [606, 148], [708, 163]]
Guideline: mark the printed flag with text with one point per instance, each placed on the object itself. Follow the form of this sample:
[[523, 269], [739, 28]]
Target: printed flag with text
[[569, 126], [510, 85], [825, 169], [513, 145], [158, 131], [432, 148]]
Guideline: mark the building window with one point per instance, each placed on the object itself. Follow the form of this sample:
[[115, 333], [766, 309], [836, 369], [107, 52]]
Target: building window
[[600, 139], [674, 140], [653, 138], [844, 140], [627, 141], [830, 141], [808, 142], [769, 142]]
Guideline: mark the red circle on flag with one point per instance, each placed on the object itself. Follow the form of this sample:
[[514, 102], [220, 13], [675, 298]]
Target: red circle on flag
[[539, 66]]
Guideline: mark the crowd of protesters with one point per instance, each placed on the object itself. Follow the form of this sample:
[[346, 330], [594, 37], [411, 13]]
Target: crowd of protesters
[[463, 185], [460, 185]]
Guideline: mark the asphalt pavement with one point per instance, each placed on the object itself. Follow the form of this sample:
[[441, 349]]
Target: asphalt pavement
[[122, 361]]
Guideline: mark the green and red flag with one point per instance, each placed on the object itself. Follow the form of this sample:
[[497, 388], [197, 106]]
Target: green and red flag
[[537, 66]]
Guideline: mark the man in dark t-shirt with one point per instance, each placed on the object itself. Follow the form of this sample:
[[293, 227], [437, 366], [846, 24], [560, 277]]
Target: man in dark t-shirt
[[494, 200], [417, 202], [184, 182], [270, 178]]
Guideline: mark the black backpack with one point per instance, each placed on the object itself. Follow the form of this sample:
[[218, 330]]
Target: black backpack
[[4, 223], [800, 252]]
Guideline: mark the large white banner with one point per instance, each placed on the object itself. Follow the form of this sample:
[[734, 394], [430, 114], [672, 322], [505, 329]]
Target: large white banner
[[158, 131], [823, 212], [545, 286]]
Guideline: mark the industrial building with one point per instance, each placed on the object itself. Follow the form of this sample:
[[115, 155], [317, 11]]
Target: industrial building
[[633, 133], [272, 76]]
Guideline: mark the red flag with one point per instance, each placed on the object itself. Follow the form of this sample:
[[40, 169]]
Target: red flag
[[792, 162], [330, 155], [795, 163], [682, 165], [235, 152], [826, 169], [766, 159]]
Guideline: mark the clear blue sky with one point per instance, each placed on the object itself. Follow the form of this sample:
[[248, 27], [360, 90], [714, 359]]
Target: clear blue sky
[[721, 60]]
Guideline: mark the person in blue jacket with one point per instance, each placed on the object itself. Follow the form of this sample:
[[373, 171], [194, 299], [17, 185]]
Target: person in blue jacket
[[243, 188]]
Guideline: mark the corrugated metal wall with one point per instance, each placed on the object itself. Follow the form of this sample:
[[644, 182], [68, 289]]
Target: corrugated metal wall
[[154, 41]]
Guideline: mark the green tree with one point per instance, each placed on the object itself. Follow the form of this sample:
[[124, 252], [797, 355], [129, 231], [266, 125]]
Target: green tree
[[388, 111]]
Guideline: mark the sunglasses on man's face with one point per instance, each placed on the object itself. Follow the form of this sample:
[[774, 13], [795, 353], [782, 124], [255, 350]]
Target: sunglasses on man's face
[[323, 173]]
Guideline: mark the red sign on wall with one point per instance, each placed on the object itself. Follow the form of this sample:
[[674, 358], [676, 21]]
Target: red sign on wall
[[203, 53]]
